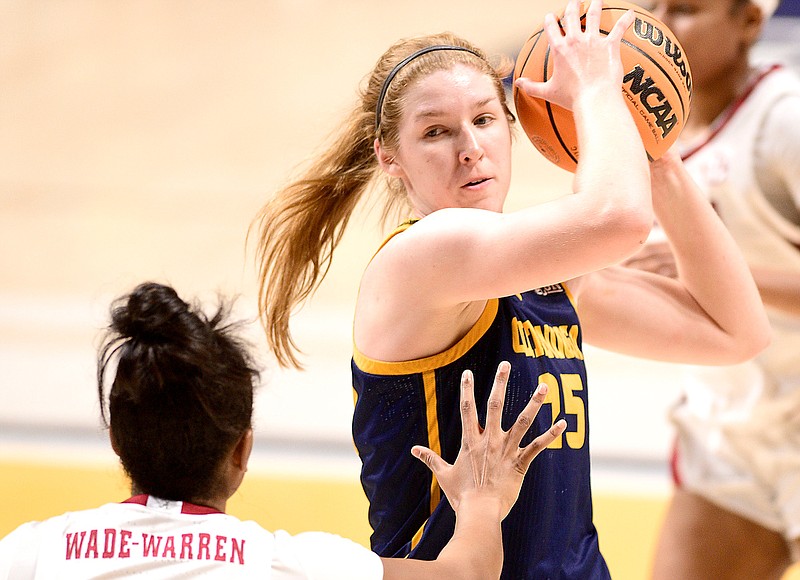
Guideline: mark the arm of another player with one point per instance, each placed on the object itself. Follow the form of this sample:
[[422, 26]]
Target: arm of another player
[[481, 485]]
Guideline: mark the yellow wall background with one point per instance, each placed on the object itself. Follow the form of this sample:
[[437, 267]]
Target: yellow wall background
[[627, 524]]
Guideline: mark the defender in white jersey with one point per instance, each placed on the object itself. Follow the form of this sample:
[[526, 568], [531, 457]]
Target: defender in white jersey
[[154, 538], [737, 454], [179, 414]]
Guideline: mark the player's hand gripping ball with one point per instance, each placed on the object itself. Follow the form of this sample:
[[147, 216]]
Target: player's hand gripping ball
[[657, 86]]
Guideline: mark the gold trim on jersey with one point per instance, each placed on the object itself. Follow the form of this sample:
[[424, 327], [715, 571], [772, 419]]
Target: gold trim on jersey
[[418, 536], [399, 229], [434, 443], [435, 361], [432, 412]]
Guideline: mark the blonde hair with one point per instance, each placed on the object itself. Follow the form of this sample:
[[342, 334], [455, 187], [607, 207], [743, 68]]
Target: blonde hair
[[300, 227]]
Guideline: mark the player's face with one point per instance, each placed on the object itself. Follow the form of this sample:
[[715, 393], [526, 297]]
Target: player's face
[[454, 142], [711, 33]]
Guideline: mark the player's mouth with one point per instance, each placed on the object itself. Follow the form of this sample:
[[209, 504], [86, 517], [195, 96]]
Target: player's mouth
[[477, 182]]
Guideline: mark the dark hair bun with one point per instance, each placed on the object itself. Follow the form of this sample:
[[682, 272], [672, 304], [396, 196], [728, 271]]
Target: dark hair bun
[[182, 391], [153, 313]]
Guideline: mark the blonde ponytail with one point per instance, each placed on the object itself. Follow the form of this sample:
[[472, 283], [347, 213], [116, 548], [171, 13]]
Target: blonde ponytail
[[300, 227]]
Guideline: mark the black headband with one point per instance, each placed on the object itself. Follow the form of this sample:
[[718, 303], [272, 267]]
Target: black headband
[[403, 63]]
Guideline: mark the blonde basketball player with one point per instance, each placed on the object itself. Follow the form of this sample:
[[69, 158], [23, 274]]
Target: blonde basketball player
[[464, 285]]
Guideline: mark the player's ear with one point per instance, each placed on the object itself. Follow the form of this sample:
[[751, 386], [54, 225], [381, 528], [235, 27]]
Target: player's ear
[[234, 466], [752, 23], [241, 453], [386, 160]]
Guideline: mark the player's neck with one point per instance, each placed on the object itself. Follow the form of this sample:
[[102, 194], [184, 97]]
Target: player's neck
[[217, 504], [712, 99]]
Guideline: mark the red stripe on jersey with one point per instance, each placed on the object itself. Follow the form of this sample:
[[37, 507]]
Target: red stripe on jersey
[[190, 508], [140, 499]]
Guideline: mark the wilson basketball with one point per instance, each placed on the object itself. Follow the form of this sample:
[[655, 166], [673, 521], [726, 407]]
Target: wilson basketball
[[657, 86]]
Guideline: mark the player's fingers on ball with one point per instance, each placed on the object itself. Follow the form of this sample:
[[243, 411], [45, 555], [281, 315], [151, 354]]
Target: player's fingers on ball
[[536, 446], [552, 30], [620, 26], [572, 23], [535, 89], [593, 16], [497, 398]]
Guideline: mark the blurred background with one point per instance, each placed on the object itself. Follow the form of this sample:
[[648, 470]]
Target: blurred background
[[138, 139]]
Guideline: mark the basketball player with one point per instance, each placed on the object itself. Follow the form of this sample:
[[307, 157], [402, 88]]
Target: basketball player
[[179, 412], [464, 285], [737, 455]]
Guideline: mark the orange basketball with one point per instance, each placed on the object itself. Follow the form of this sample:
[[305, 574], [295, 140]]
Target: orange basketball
[[657, 85]]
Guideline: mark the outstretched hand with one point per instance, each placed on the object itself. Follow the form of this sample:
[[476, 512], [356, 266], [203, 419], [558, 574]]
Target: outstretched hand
[[490, 462], [582, 57]]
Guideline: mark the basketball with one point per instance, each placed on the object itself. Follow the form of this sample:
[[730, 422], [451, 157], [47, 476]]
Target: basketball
[[657, 85]]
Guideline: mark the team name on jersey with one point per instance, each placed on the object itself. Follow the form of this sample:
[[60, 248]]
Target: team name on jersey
[[113, 543], [551, 289], [545, 340]]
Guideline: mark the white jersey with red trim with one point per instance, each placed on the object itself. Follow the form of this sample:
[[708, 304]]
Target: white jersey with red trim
[[154, 538], [739, 444]]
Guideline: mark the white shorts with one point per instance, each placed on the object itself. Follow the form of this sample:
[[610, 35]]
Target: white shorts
[[741, 450]]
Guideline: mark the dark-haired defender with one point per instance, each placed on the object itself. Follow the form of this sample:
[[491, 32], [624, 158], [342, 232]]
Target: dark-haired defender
[[465, 285], [179, 412]]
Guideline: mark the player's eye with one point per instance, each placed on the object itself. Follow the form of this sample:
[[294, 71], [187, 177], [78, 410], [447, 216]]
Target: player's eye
[[434, 132]]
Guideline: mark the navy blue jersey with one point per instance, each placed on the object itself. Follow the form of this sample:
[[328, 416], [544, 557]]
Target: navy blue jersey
[[549, 532]]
